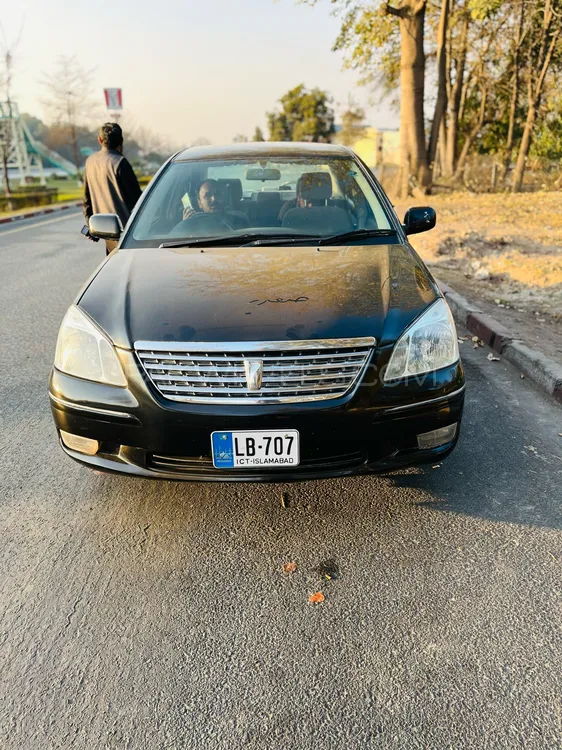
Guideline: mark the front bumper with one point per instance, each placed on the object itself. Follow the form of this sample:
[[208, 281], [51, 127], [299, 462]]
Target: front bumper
[[144, 435]]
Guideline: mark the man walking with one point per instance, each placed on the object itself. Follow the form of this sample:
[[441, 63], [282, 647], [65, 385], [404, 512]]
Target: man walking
[[110, 185]]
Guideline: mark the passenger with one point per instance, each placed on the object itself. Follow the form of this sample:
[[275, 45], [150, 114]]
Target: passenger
[[210, 201], [298, 202]]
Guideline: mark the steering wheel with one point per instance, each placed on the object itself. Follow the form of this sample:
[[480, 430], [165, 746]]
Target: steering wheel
[[201, 224]]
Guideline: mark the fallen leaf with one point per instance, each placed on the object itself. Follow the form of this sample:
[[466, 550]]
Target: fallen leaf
[[316, 598], [560, 434], [522, 376], [437, 466], [492, 358], [289, 567], [475, 339], [285, 500]]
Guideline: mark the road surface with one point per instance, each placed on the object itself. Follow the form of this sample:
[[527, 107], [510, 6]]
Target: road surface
[[150, 615]]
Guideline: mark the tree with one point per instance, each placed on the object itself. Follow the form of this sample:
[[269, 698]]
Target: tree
[[305, 115], [547, 141], [201, 142], [69, 98], [240, 138], [386, 43], [515, 85], [147, 140], [353, 127], [489, 63], [543, 49], [414, 159], [6, 78], [258, 135]]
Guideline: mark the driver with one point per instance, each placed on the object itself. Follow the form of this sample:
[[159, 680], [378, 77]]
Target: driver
[[210, 201]]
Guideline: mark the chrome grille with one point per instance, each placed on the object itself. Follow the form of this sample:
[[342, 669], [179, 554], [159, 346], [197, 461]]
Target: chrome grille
[[291, 371]]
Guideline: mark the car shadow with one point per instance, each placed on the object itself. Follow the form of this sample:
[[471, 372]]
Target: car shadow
[[516, 482]]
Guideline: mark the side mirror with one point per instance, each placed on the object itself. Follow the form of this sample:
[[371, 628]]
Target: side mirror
[[105, 226], [419, 219]]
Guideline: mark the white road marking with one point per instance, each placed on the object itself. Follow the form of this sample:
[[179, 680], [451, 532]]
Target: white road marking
[[38, 224]]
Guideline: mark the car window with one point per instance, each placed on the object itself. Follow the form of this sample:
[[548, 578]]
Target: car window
[[316, 196]]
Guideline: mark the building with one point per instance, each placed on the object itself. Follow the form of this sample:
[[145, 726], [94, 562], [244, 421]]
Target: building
[[376, 146]]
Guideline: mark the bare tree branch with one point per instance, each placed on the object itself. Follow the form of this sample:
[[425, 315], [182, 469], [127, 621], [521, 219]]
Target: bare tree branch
[[398, 12]]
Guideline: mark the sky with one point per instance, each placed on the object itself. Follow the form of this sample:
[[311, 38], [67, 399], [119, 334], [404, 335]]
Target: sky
[[208, 69]]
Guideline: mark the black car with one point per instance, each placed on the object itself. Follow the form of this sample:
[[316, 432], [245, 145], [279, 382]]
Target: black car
[[262, 318]]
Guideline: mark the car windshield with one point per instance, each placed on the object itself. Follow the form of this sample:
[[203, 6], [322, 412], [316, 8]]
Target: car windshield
[[285, 197]]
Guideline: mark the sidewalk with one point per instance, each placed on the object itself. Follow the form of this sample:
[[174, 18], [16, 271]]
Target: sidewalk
[[532, 363]]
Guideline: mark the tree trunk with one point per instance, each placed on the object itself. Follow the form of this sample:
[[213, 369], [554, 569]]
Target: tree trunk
[[412, 81], [456, 98], [514, 92], [74, 140], [5, 174], [524, 149], [441, 102], [535, 93], [471, 137], [443, 145], [5, 141], [404, 177]]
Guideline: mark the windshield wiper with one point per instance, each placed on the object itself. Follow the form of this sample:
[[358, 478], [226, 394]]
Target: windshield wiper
[[253, 238], [356, 234]]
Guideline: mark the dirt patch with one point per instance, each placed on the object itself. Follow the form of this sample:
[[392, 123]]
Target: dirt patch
[[503, 252]]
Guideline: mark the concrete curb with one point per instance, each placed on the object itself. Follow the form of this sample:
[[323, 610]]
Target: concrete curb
[[39, 212], [542, 370]]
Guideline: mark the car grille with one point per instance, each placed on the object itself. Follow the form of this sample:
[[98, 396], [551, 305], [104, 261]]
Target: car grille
[[204, 465], [292, 371]]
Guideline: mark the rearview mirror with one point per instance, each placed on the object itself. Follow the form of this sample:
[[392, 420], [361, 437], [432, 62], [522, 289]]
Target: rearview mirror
[[419, 219], [263, 174], [105, 226]]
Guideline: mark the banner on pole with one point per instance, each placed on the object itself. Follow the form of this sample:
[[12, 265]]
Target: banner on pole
[[113, 99]]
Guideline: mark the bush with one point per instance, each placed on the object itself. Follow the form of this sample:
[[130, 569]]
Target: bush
[[27, 199]]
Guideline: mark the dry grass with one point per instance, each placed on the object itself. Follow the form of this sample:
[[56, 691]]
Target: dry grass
[[504, 251]]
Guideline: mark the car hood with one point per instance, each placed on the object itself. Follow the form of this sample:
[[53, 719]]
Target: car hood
[[258, 294]]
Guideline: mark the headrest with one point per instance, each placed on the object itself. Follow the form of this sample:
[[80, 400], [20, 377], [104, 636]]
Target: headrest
[[321, 219], [269, 196], [232, 190], [316, 186]]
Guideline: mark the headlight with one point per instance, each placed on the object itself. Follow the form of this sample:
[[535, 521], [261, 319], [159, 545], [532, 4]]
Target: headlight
[[428, 344], [84, 351]]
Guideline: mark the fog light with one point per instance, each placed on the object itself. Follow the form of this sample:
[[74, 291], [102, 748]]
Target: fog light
[[435, 438], [80, 444]]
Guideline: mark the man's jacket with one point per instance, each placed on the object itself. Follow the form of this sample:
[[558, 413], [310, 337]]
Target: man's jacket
[[110, 185]]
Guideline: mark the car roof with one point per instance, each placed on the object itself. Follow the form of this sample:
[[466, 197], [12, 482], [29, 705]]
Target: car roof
[[261, 149]]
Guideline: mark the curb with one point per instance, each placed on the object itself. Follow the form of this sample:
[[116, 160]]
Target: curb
[[39, 212], [542, 370]]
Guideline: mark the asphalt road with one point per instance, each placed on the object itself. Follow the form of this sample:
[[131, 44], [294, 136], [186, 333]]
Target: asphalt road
[[148, 615]]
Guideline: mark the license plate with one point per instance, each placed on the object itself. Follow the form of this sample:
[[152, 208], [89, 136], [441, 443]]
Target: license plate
[[257, 449]]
